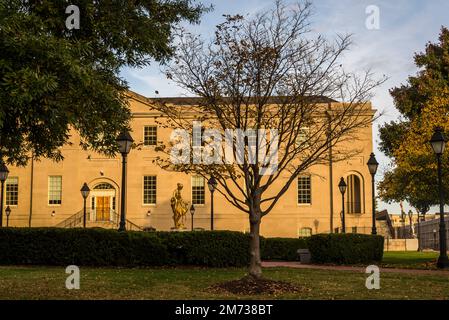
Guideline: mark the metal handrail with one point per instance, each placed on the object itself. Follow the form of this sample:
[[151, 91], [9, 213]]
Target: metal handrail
[[131, 226], [72, 221], [77, 219]]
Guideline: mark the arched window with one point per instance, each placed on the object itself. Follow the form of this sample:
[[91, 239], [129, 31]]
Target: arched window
[[354, 194], [104, 186]]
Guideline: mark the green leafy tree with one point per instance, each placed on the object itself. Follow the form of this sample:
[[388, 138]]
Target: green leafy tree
[[54, 80], [397, 185]]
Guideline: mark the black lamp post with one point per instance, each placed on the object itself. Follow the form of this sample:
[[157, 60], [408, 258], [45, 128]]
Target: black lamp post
[[435, 246], [124, 141], [8, 213], [410, 219], [3, 176], [192, 212], [372, 167], [438, 143], [85, 193], [342, 186], [212, 184]]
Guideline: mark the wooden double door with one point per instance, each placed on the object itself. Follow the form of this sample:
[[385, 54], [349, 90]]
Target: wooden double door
[[103, 208]]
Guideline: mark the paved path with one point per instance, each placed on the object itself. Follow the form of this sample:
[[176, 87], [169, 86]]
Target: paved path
[[297, 265]]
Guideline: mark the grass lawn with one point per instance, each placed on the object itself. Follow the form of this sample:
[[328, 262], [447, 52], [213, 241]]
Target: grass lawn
[[192, 283], [410, 260]]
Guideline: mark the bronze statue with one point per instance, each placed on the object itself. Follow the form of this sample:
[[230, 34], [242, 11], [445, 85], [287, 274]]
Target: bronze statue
[[179, 208]]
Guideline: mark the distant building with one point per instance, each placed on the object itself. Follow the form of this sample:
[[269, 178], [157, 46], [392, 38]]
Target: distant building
[[399, 221]]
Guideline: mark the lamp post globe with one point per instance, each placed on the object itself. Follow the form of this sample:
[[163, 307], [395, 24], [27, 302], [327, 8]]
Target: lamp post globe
[[85, 193], [85, 190], [3, 171], [372, 167], [8, 213], [3, 176], [372, 164], [212, 184], [124, 141], [192, 212], [342, 186], [438, 143]]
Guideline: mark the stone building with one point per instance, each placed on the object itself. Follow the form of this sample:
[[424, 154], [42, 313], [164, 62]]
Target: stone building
[[48, 193]]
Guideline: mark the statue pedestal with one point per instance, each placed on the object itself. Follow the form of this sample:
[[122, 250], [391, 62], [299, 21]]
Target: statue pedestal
[[178, 230]]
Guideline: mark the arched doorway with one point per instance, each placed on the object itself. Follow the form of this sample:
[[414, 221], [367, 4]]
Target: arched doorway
[[354, 194], [103, 202]]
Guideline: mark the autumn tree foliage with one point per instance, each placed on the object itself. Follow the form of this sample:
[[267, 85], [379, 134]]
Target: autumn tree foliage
[[266, 71], [424, 104]]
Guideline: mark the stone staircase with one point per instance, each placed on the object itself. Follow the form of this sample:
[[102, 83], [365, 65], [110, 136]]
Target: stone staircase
[[76, 221]]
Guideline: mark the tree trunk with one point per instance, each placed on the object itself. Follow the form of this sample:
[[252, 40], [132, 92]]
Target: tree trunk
[[255, 266]]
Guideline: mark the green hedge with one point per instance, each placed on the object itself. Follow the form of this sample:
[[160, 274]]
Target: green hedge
[[282, 249], [100, 247], [207, 248], [87, 247], [346, 248]]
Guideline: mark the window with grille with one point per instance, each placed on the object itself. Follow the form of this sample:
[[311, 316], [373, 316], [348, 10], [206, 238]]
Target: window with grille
[[149, 190], [12, 191], [252, 137], [303, 136], [198, 190], [305, 232], [197, 138], [103, 186], [54, 190], [150, 136], [304, 190]]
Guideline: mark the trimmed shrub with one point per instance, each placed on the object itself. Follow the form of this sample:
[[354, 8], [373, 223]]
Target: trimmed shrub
[[282, 249], [100, 247], [207, 248], [346, 248], [83, 247]]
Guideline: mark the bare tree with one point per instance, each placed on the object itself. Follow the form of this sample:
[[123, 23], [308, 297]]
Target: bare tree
[[266, 72]]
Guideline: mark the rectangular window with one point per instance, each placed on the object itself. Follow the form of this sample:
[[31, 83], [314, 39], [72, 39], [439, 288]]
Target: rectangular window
[[198, 190], [12, 191], [252, 137], [197, 138], [303, 136], [304, 190], [305, 232], [150, 135], [149, 190], [54, 190]]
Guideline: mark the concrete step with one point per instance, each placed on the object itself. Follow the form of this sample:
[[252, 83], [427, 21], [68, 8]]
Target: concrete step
[[101, 224]]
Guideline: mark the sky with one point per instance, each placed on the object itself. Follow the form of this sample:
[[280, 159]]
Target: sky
[[405, 26]]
